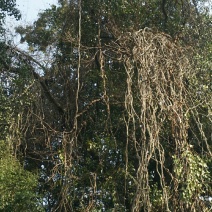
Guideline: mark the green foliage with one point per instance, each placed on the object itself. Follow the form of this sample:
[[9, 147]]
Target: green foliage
[[8, 8], [192, 174], [17, 186], [156, 197], [74, 129]]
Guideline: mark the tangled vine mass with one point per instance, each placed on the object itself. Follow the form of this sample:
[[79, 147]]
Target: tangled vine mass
[[108, 114]]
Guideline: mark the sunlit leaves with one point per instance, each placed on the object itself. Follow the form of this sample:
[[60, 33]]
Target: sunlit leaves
[[192, 174], [17, 186]]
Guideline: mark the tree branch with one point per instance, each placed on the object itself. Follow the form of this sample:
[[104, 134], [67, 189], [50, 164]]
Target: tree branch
[[48, 94]]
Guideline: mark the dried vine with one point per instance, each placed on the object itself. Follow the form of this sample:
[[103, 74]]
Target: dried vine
[[156, 94]]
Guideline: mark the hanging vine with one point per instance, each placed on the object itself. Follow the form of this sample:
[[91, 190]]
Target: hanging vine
[[156, 96]]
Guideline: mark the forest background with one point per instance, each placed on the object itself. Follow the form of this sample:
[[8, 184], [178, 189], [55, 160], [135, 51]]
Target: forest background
[[108, 108]]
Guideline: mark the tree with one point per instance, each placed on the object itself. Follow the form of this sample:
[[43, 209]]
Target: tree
[[17, 186], [115, 125], [8, 8]]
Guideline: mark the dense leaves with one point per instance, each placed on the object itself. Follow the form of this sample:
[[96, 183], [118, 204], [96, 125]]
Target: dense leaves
[[17, 186], [111, 107]]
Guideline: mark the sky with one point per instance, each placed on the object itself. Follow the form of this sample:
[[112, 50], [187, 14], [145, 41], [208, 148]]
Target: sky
[[29, 10]]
